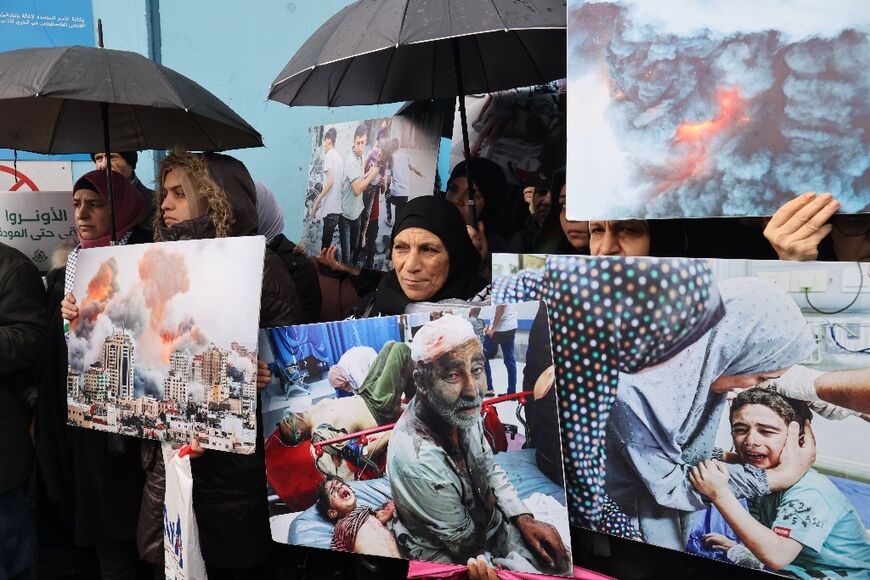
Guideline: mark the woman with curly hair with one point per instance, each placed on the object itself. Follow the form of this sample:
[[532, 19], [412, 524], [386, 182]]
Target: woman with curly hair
[[202, 196]]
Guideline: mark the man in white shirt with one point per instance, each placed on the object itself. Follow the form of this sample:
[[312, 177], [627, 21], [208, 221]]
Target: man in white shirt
[[400, 187], [330, 195], [501, 332]]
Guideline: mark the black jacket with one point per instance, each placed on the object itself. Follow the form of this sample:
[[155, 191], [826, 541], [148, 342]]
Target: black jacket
[[304, 273], [22, 335], [229, 490], [98, 473]]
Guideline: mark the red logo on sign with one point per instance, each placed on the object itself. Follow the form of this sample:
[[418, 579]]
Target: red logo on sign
[[781, 531]]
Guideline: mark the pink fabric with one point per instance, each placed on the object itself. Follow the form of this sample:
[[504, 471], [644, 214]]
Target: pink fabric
[[128, 203], [417, 569]]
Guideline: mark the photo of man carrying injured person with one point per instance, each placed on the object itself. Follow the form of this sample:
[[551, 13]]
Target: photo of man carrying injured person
[[381, 439]]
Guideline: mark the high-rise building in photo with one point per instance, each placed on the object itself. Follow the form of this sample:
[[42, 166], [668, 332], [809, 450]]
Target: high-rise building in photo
[[73, 383], [96, 382], [214, 367], [175, 388], [119, 362], [182, 364]]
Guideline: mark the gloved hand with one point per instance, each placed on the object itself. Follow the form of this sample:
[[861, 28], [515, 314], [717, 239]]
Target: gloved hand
[[798, 382], [831, 411], [740, 554]]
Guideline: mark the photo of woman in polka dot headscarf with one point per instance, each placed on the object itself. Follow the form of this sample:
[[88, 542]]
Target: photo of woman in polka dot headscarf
[[609, 316], [648, 352]]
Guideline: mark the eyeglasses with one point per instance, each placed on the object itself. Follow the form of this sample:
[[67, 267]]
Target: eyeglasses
[[852, 225]]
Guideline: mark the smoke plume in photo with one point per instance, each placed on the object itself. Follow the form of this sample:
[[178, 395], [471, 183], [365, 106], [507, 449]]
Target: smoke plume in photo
[[671, 119], [144, 312]]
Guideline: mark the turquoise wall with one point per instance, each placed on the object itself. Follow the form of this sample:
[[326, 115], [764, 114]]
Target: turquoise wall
[[235, 50]]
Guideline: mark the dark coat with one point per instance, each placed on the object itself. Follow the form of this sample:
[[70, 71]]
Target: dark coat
[[229, 490], [22, 335], [304, 273], [98, 473]]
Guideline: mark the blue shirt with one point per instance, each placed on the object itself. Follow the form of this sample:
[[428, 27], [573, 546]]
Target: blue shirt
[[816, 514]]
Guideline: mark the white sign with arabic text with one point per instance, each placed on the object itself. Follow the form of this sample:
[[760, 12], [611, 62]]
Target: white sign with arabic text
[[35, 222]]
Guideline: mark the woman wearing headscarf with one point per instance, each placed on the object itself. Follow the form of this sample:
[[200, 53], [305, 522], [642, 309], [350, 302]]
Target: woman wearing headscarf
[[665, 419], [593, 317], [492, 201], [200, 197], [558, 234], [93, 477], [433, 260], [350, 372], [660, 238]]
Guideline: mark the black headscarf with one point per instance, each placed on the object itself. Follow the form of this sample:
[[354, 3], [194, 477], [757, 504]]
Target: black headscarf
[[551, 238], [441, 218], [489, 179]]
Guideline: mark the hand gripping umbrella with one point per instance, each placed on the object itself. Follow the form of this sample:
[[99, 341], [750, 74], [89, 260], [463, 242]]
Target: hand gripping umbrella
[[78, 99], [384, 51]]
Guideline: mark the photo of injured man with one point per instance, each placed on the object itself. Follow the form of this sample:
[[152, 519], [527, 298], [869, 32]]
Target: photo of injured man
[[410, 437], [731, 400]]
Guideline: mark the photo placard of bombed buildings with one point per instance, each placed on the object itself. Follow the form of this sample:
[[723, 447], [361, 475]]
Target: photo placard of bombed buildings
[[706, 108], [701, 417], [361, 174], [359, 420], [165, 344]]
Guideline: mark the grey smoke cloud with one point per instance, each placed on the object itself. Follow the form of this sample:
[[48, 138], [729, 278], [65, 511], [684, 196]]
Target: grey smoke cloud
[[769, 114]]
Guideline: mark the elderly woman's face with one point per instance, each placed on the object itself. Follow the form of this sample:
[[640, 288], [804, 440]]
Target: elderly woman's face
[[421, 263], [91, 214]]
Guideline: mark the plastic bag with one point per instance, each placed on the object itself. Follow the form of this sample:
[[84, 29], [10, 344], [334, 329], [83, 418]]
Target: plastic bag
[[182, 556]]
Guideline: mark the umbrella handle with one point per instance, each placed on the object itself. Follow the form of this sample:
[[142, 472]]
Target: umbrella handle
[[472, 205], [104, 113]]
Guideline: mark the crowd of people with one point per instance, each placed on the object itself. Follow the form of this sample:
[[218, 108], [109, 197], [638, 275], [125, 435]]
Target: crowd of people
[[103, 493]]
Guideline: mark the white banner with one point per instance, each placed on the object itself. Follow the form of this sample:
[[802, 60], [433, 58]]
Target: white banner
[[35, 222], [35, 176]]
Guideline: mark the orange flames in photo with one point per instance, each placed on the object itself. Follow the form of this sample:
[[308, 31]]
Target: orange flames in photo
[[695, 138], [100, 289]]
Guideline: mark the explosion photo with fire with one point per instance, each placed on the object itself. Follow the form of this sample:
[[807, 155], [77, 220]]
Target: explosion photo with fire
[[698, 108], [165, 344]]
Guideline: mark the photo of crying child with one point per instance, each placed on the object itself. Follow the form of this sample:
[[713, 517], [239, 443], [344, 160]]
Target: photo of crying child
[[408, 437], [810, 529], [679, 356]]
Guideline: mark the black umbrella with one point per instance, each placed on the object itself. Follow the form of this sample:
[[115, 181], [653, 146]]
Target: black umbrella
[[78, 99], [384, 51]]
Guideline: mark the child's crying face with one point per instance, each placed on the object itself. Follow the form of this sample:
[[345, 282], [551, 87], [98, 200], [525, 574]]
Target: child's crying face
[[759, 435]]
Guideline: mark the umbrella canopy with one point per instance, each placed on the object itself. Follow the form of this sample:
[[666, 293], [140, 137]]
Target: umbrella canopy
[[384, 51], [53, 100]]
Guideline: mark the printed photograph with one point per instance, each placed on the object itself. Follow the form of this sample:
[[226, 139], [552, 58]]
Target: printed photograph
[[361, 174], [722, 405], [521, 130], [429, 436], [699, 108], [165, 344]]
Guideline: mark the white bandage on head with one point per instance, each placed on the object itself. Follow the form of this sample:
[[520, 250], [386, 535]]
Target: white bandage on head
[[439, 337]]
